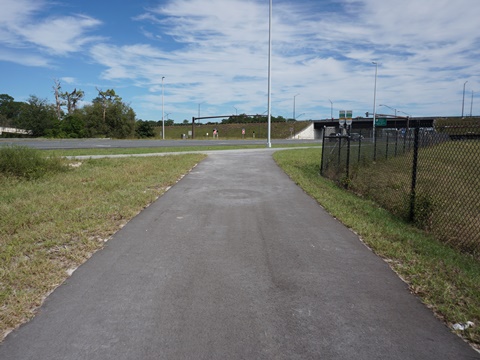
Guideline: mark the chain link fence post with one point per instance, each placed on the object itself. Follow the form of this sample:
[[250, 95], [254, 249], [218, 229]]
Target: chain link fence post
[[414, 174]]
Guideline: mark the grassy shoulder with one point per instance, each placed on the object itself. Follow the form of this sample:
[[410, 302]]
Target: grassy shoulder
[[50, 225], [164, 149], [445, 280], [279, 130]]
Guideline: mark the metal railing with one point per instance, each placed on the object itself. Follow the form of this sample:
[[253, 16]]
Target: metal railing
[[14, 131], [428, 175]]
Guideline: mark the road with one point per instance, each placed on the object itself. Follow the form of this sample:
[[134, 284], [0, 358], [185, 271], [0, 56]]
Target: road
[[49, 144], [234, 262]]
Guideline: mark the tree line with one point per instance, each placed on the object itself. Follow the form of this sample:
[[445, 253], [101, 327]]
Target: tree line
[[106, 116], [255, 119]]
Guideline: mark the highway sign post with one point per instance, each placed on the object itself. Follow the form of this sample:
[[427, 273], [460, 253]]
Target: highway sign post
[[349, 117]]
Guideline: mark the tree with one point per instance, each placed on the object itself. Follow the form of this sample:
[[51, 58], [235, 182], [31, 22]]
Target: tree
[[38, 116], [58, 98], [109, 116], [93, 119], [9, 110], [106, 98], [72, 99], [73, 126], [144, 129], [120, 120]]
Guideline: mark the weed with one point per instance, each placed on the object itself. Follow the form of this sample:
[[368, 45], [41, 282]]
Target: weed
[[424, 210], [27, 163]]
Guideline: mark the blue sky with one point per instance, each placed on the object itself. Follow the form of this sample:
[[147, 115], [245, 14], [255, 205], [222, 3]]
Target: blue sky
[[214, 55]]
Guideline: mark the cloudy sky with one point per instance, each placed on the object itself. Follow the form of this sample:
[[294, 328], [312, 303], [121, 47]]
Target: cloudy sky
[[214, 54]]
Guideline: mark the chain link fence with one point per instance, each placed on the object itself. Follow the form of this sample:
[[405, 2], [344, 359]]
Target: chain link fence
[[428, 174]]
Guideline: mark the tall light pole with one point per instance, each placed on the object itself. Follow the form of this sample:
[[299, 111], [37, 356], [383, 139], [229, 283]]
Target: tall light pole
[[269, 117], [236, 110], [374, 110], [331, 108], [463, 101], [199, 108], [163, 119], [294, 106], [471, 105]]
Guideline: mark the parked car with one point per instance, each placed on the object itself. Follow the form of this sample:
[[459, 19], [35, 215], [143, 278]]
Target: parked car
[[356, 137]]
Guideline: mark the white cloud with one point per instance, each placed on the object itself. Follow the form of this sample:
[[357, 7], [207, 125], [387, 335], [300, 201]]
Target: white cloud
[[61, 35], [25, 59], [23, 27], [424, 50], [14, 13], [69, 80], [18, 10], [216, 52]]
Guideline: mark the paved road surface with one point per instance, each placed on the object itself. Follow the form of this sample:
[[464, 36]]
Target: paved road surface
[[234, 262], [53, 144]]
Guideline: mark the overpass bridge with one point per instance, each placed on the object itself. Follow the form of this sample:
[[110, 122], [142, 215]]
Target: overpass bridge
[[359, 124], [365, 124]]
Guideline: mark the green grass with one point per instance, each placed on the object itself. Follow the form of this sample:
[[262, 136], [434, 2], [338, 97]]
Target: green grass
[[446, 280], [155, 150], [51, 225], [447, 190], [280, 130]]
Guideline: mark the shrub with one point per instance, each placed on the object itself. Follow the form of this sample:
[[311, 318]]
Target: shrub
[[26, 163]]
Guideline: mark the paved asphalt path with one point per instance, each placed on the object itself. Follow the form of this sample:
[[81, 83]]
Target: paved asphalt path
[[234, 262]]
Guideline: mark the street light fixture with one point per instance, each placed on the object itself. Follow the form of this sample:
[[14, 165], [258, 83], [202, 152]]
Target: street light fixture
[[331, 108], [463, 101], [236, 110], [403, 112], [163, 118], [389, 108], [294, 106]]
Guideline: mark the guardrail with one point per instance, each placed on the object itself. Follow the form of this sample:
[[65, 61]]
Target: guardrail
[[15, 131]]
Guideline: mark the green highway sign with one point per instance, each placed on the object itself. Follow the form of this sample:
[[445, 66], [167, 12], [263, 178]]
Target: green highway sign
[[381, 122]]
